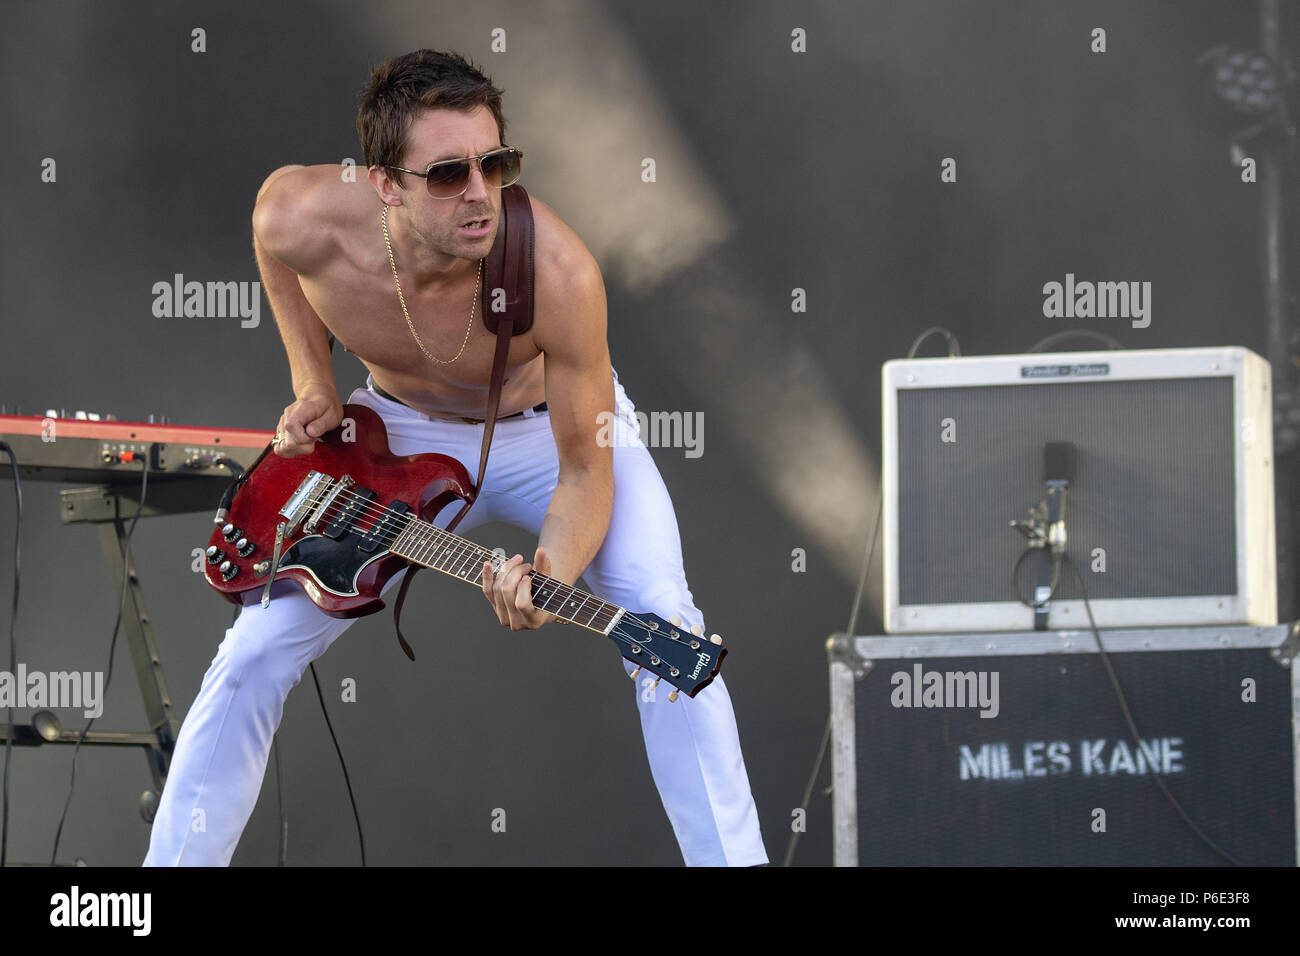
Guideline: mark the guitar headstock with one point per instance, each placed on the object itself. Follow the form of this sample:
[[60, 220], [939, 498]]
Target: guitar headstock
[[683, 657]]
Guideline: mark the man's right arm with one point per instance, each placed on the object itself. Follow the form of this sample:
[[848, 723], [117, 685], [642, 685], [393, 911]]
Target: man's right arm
[[287, 245]]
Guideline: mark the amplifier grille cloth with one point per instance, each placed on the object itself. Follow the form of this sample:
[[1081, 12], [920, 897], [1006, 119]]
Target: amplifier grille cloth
[[1153, 487]]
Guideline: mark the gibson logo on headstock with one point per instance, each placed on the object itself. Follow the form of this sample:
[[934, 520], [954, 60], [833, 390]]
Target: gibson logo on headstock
[[704, 659]]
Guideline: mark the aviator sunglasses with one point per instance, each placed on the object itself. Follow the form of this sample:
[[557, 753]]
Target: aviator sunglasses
[[450, 178]]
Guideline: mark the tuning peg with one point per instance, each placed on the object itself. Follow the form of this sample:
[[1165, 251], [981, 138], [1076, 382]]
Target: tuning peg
[[635, 671], [673, 695], [716, 638], [654, 685], [675, 621], [697, 630]]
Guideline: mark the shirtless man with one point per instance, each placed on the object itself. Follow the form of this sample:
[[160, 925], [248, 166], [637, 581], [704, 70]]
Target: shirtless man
[[414, 320]]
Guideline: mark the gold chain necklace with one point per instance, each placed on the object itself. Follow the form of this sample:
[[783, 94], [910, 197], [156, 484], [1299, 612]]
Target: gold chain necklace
[[402, 299]]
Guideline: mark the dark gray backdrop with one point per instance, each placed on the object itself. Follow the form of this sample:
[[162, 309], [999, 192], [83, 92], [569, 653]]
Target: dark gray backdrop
[[775, 171]]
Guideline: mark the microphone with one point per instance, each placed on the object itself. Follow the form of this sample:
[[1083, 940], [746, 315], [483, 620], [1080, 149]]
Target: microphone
[[1045, 528], [1059, 459]]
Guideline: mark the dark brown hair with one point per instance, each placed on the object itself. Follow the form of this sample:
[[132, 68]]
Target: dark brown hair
[[403, 86]]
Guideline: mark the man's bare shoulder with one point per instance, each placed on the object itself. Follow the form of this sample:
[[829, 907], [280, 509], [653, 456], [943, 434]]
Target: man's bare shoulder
[[560, 251], [568, 283], [304, 212]]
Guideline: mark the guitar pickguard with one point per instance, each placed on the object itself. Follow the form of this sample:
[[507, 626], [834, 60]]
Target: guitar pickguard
[[334, 564]]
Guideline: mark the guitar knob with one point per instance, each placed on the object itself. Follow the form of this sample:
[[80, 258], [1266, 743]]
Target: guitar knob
[[697, 630], [230, 532], [228, 570], [673, 696], [636, 670], [716, 638], [215, 554], [245, 547]]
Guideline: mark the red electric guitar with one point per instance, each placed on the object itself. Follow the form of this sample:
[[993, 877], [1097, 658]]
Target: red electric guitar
[[343, 520]]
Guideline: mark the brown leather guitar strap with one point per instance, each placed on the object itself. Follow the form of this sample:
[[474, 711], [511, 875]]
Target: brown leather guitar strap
[[509, 267]]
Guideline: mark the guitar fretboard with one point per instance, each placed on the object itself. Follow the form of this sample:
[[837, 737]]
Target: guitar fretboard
[[432, 547]]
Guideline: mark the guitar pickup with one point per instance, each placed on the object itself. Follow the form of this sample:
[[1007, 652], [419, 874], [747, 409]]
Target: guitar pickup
[[357, 503], [386, 528]]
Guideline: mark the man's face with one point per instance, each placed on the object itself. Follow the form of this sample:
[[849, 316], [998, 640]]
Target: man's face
[[449, 134]]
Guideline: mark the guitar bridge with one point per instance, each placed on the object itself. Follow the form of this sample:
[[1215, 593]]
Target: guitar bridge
[[342, 485], [304, 499]]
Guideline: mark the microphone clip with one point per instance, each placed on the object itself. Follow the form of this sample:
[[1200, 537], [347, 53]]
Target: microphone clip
[[1035, 529]]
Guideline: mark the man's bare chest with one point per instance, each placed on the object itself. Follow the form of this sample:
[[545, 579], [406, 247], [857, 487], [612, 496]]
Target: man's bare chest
[[367, 318]]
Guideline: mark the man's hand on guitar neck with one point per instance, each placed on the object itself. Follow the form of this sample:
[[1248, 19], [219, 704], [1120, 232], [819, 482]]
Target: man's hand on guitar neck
[[316, 411], [511, 594]]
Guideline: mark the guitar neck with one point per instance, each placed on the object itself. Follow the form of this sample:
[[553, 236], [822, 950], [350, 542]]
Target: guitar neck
[[429, 546]]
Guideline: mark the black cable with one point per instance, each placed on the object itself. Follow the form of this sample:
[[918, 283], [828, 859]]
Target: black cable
[[807, 792], [112, 647], [1132, 725], [1114, 681], [283, 856], [223, 506], [1101, 650], [13, 652], [1075, 333], [339, 750], [826, 734], [954, 351], [1015, 579], [235, 468]]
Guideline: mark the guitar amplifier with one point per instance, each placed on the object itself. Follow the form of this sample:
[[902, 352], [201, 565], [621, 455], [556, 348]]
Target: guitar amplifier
[[1169, 513], [1011, 749]]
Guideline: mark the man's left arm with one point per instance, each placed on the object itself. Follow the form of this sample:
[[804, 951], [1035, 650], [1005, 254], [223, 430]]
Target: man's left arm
[[579, 387]]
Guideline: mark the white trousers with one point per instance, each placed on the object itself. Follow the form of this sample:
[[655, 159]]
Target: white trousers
[[694, 750]]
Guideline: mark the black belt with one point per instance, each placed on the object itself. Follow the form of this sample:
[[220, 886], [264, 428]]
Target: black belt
[[471, 421]]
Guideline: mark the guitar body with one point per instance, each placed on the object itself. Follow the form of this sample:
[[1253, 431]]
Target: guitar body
[[343, 520], [342, 569]]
